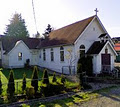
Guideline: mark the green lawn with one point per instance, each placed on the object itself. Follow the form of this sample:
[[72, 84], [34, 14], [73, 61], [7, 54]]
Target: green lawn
[[18, 76], [18, 73]]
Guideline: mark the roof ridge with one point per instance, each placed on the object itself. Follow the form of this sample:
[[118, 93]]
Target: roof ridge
[[75, 22]]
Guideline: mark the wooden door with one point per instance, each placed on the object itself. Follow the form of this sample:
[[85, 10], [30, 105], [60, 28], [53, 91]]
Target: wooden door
[[106, 62]]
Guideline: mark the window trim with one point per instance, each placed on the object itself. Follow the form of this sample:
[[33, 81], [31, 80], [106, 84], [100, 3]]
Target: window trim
[[52, 54], [20, 56], [82, 50], [44, 55], [62, 59]]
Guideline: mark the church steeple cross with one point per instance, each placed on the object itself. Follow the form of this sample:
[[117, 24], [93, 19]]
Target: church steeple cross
[[96, 10]]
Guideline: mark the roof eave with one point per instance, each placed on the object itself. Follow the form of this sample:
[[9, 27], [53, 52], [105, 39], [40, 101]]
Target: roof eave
[[57, 45]]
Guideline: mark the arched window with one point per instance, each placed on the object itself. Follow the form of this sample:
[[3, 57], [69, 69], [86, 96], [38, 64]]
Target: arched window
[[82, 50], [106, 51], [44, 55], [61, 53], [20, 56], [52, 54]]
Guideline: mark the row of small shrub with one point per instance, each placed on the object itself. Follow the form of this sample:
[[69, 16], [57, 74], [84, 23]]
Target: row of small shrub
[[47, 89]]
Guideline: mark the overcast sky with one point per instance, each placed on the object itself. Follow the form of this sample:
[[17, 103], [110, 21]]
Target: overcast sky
[[60, 13]]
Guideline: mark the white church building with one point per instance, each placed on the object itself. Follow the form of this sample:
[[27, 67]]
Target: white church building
[[62, 48]]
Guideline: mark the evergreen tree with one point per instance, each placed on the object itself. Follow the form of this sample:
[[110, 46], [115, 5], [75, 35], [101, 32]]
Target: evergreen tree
[[0, 85], [24, 82], [48, 30], [45, 77], [34, 81], [11, 84], [54, 78], [62, 79], [80, 74], [16, 27]]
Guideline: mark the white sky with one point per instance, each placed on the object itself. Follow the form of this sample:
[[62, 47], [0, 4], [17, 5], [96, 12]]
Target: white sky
[[60, 13]]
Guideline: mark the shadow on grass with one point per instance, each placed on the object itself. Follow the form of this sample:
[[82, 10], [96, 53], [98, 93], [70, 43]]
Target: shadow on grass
[[66, 102], [107, 92]]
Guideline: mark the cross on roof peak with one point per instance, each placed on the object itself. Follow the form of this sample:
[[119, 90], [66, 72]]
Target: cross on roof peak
[[96, 10]]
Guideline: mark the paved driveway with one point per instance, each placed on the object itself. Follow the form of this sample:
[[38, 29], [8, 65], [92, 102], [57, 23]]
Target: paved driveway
[[107, 99]]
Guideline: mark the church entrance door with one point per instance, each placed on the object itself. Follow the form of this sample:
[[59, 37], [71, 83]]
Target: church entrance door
[[106, 62]]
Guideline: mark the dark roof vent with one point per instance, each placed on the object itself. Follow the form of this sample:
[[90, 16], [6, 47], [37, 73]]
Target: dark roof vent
[[102, 35]]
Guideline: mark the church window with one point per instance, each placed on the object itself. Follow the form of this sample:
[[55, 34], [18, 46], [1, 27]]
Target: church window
[[61, 53], [40, 55], [19, 56], [106, 51], [82, 50], [44, 55], [52, 54]]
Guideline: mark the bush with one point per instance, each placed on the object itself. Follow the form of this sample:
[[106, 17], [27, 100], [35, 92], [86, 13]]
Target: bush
[[54, 78], [34, 81], [45, 77], [24, 82], [52, 89], [0, 85], [11, 84], [27, 64], [87, 65], [62, 79], [80, 75], [30, 92], [86, 86]]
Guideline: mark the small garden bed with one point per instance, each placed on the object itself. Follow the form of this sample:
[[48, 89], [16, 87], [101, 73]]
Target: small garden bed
[[58, 86]]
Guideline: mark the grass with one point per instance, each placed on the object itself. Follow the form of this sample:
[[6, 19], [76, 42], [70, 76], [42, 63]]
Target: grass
[[18, 76], [72, 101], [18, 73], [107, 89]]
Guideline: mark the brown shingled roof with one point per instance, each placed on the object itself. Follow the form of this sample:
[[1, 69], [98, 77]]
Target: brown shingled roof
[[8, 43], [67, 34]]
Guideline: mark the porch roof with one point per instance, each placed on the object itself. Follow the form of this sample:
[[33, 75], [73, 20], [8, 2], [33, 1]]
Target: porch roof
[[96, 47]]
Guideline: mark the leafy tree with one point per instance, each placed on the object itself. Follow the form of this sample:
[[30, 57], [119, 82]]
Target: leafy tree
[[24, 82], [45, 77], [34, 81], [11, 84], [16, 27], [0, 85]]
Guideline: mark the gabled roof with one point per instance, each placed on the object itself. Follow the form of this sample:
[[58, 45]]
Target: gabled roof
[[96, 47], [8, 43], [66, 35]]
